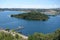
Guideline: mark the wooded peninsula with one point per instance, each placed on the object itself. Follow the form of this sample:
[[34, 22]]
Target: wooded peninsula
[[32, 16]]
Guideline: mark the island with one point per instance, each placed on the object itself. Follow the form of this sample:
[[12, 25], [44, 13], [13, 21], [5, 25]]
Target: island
[[33, 15]]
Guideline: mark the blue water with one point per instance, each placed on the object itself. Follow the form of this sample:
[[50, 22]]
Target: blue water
[[30, 27]]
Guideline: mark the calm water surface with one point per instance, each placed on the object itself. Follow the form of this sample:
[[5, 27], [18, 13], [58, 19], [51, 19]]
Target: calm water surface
[[30, 27]]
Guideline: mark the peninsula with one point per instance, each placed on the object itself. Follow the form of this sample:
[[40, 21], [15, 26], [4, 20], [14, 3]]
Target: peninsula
[[33, 15]]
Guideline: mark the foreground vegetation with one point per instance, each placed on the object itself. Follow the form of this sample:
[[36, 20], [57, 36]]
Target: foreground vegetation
[[37, 36], [33, 15], [7, 35], [40, 36]]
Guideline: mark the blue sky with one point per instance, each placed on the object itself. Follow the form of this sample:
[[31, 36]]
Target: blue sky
[[29, 3]]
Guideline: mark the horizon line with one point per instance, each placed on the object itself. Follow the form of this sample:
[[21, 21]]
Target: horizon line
[[38, 8]]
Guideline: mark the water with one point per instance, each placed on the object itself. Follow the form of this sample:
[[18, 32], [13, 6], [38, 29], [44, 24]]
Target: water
[[30, 27]]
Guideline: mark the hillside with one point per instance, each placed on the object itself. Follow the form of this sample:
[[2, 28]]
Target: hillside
[[10, 35]]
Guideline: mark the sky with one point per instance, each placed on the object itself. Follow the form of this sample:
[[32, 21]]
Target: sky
[[29, 3]]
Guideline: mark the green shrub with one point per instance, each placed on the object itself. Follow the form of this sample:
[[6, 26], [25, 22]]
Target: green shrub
[[40, 36]]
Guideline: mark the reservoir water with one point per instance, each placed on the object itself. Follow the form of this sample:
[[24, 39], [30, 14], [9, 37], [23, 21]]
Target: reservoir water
[[30, 27]]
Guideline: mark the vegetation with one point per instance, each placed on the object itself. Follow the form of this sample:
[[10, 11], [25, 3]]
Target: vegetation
[[9, 36], [33, 15], [40, 36], [36, 36], [7, 29]]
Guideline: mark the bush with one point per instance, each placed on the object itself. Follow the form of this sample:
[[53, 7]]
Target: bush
[[40, 36]]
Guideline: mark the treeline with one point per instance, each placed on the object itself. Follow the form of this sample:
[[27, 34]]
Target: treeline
[[40, 36], [33, 15]]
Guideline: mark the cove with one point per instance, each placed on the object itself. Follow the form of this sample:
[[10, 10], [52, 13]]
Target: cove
[[30, 27]]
